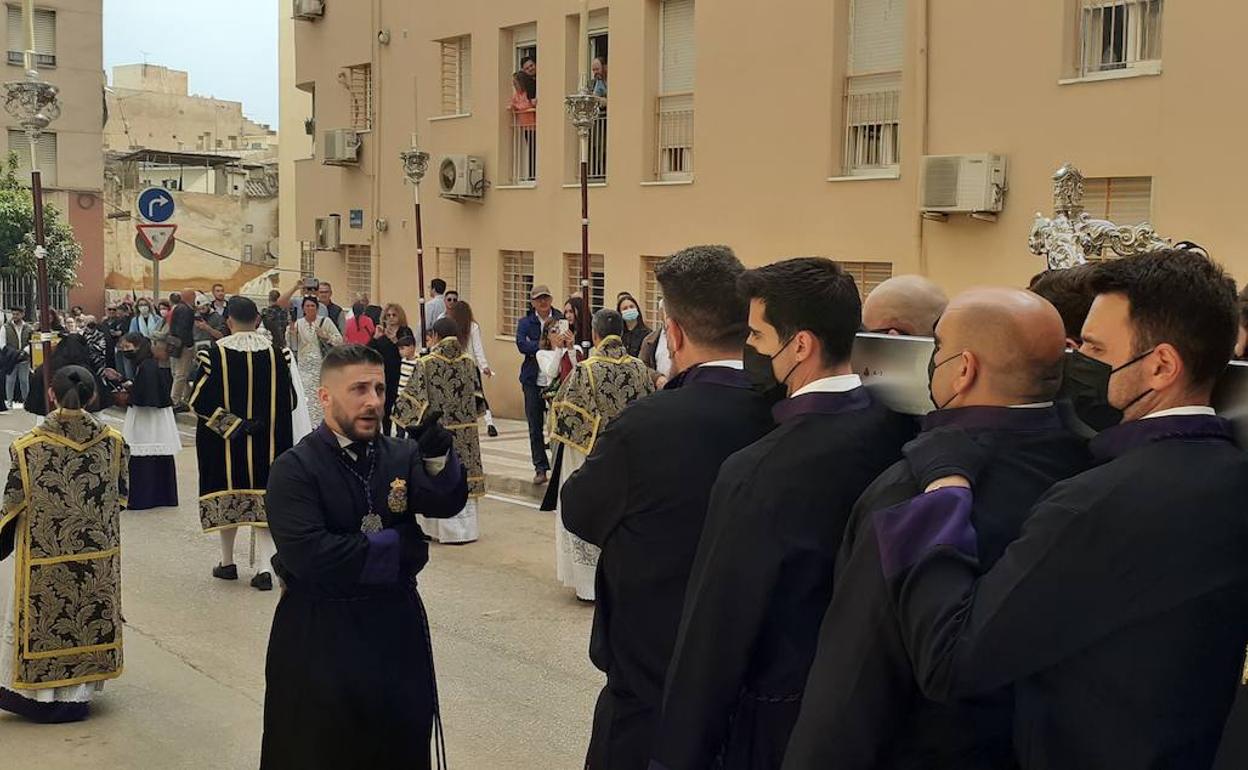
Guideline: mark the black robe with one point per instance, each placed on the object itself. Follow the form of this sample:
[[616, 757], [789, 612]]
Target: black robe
[[152, 385], [862, 707], [349, 672], [643, 503], [762, 579], [1120, 614]]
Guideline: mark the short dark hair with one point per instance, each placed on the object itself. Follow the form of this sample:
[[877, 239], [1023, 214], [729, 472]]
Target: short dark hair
[[216, 286], [608, 322], [310, 298], [438, 285], [242, 309], [1178, 296], [406, 341], [274, 295], [811, 294], [699, 287], [528, 59], [141, 344], [1243, 308], [1070, 292], [342, 356], [452, 291], [445, 327]]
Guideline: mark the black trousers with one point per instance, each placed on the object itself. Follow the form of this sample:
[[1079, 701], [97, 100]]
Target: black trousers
[[535, 413]]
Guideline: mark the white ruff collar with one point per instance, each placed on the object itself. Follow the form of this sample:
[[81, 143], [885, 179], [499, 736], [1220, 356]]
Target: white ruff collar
[[247, 342]]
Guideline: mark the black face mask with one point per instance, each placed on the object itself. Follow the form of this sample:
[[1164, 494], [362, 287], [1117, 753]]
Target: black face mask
[[762, 377], [130, 354], [932, 366], [1085, 381]]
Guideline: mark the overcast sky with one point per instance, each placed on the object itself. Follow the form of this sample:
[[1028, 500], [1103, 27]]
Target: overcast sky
[[228, 46]]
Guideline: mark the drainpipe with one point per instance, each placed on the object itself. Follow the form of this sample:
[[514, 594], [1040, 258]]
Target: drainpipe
[[374, 291]]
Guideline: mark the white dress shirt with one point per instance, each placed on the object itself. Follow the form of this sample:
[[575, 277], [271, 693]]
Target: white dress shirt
[[841, 383], [1182, 411]]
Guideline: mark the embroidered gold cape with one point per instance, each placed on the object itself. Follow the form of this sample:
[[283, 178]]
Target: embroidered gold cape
[[64, 495], [595, 392], [446, 381]]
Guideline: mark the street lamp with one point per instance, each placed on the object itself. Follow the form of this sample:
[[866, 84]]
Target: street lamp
[[34, 104], [415, 164], [583, 109]]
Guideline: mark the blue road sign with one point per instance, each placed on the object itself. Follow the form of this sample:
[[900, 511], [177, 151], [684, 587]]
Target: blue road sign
[[156, 204]]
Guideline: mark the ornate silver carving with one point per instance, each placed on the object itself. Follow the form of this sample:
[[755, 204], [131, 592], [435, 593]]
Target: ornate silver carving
[[415, 164], [1072, 235], [583, 109], [33, 103]]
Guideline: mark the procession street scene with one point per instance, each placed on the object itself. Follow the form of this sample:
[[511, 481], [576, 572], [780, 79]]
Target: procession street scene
[[787, 386]]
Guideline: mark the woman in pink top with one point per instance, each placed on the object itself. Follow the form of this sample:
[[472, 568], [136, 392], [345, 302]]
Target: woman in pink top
[[524, 134], [360, 328]]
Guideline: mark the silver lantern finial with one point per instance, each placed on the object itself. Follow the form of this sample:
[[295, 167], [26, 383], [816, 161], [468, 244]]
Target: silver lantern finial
[[415, 164]]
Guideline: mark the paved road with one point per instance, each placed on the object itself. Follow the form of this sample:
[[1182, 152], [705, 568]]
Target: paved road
[[517, 690]]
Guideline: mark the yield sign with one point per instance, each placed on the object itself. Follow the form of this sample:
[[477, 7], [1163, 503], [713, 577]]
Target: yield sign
[[158, 237]]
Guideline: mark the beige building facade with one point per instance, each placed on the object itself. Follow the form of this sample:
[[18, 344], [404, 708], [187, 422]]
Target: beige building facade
[[797, 131], [69, 49]]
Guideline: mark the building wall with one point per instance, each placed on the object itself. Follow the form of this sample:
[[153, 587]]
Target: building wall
[[976, 78], [79, 74], [294, 107]]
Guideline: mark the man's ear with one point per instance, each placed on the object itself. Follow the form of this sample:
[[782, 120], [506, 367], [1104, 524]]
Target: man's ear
[[675, 335]]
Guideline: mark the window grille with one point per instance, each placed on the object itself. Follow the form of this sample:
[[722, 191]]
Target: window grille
[[675, 106], [360, 84], [516, 271], [871, 140], [359, 261], [1118, 34], [597, 278], [650, 289]]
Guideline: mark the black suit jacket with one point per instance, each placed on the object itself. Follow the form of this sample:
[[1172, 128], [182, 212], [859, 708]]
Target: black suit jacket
[[642, 497]]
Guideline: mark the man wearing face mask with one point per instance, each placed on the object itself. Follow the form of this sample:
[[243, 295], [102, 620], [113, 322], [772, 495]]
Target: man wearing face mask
[[643, 501], [994, 373], [762, 576], [1121, 612]]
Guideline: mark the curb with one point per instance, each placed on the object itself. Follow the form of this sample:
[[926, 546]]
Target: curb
[[513, 487]]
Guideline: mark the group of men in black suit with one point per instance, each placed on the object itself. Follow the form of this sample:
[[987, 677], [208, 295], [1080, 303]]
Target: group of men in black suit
[[793, 575]]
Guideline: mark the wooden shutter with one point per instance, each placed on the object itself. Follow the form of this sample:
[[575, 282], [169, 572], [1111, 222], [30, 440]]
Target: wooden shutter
[[867, 275], [45, 32], [20, 143], [678, 48], [17, 33], [456, 75], [465, 74], [525, 35], [877, 29], [1121, 200], [360, 83]]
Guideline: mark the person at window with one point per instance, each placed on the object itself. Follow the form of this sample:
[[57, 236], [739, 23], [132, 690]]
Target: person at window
[[599, 72], [523, 107], [151, 429], [635, 329], [529, 68], [310, 338], [360, 328], [435, 306], [385, 341], [529, 334], [470, 340]]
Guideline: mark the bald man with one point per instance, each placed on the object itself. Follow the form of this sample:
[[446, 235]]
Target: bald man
[[904, 304], [994, 373]]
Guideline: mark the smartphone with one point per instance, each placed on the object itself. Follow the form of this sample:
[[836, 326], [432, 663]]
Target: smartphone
[[562, 326], [311, 283]]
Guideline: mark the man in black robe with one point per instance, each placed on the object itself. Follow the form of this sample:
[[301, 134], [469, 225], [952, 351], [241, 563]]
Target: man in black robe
[[349, 675], [762, 577], [1121, 612], [644, 503], [995, 370]]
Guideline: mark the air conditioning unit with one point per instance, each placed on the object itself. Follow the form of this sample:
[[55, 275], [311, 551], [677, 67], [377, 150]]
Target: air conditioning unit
[[329, 233], [341, 147], [461, 176], [309, 10], [963, 183]]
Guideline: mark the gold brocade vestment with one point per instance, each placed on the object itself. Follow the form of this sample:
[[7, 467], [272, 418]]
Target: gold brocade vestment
[[596, 392]]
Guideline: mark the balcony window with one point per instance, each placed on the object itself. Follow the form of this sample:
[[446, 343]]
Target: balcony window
[[521, 107], [1119, 34], [599, 47], [456, 72], [871, 139], [45, 37], [674, 109], [516, 274]]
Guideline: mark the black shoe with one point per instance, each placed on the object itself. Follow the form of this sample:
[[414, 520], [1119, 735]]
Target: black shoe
[[262, 582], [491, 431], [225, 573]]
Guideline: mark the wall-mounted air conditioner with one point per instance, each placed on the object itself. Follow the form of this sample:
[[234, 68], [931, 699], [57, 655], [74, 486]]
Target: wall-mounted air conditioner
[[309, 10], [461, 176], [341, 147], [963, 183], [329, 233]]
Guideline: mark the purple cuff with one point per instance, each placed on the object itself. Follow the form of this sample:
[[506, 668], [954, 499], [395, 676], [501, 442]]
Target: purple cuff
[[381, 564], [908, 531]]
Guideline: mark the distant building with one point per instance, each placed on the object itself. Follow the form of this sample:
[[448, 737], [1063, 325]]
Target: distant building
[[69, 52], [218, 165]]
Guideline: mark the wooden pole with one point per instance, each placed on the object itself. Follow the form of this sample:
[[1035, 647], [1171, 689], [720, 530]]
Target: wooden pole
[[41, 260], [420, 266]]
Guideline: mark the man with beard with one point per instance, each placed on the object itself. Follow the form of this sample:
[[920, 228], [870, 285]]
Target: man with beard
[[995, 371], [350, 679]]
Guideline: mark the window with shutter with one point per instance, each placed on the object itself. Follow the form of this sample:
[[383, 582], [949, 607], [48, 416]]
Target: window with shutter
[[307, 259], [516, 274], [20, 143], [867, 275], [871, 140], [677, 60], [1126, 200], [1119, 34], [360, 84], [45, 37], [456, 75], [597, 278]]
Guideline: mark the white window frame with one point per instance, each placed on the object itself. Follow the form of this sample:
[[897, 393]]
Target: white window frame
[[1141, 40]]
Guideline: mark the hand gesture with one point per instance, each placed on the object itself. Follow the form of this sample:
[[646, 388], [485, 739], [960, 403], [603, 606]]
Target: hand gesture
[[430, 436]]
